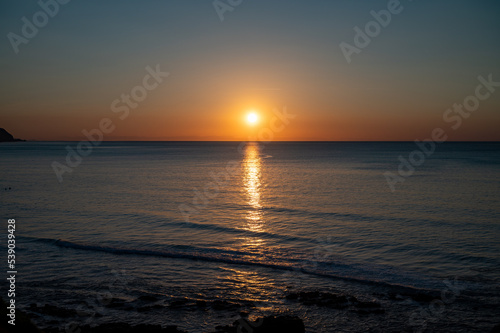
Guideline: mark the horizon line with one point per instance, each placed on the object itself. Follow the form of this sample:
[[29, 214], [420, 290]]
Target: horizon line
[[363, 141]]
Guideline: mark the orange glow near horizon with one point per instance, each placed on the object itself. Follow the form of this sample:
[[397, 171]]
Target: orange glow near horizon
[[227, 120]]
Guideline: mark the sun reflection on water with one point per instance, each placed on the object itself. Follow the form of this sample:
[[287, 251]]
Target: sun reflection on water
[[247, 284], [252, 185]]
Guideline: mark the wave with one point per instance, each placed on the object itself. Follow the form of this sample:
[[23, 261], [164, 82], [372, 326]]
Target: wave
[[344, 216], [359, 217], [215, 227], [331, 270], [300, 213]]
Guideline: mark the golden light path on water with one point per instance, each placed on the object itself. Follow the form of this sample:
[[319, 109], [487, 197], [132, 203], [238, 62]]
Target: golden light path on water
[[252, 186], [251, 283], [255, 285]]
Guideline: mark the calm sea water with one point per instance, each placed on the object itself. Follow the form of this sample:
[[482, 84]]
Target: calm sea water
[[166, 229]]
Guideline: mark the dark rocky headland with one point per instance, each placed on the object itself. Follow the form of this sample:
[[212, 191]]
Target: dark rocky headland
[[7, 137]]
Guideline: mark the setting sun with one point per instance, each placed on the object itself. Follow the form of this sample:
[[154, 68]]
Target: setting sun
[[252, 118]]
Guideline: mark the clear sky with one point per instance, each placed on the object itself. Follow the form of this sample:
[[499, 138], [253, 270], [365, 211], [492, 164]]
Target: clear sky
[[265, 54]]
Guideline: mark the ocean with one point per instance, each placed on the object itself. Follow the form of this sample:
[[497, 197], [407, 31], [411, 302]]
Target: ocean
[[200, 234]]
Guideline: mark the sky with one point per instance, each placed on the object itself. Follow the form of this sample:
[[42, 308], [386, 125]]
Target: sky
[[225, 58]]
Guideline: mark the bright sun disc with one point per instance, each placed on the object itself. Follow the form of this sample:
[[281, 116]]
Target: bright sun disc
[[252, 118]]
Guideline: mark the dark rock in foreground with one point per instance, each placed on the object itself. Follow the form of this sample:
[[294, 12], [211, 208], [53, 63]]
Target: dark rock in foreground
[[120, 328], [272, 324], [7, 137]]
